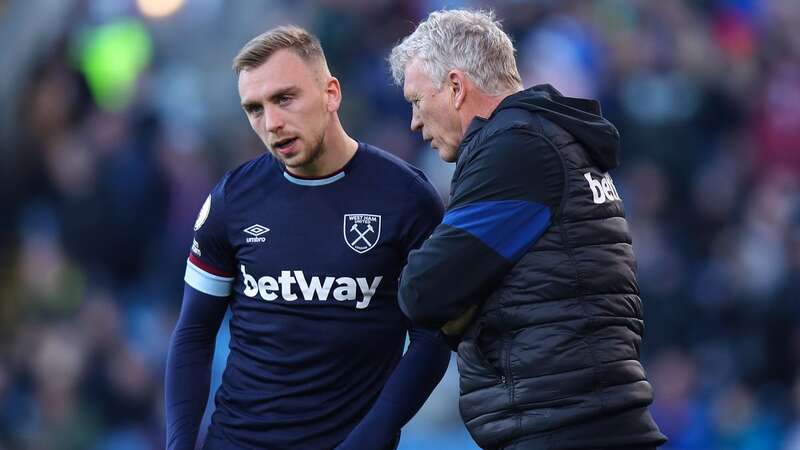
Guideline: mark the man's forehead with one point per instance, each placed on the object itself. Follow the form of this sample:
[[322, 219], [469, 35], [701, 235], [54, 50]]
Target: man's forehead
[[408, 89], [414, 78], [267, 80]]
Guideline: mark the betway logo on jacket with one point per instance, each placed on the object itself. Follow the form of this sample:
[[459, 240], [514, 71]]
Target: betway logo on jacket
[[603, 190], [311, 289]]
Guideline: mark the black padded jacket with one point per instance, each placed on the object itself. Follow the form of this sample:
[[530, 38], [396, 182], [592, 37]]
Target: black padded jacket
[[535, 234]]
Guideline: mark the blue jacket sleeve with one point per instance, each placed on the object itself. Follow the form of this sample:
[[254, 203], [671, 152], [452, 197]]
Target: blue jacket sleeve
[[188, 371], [505, 192], [412, 381]]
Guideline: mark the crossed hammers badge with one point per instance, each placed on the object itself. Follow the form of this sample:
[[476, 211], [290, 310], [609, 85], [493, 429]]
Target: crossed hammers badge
[[362, 231]]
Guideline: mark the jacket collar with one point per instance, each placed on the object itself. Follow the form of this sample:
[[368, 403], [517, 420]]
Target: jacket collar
[[474, 126]]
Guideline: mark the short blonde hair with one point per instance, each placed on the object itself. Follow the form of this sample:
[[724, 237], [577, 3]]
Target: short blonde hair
[[260, 48], [472, 41]]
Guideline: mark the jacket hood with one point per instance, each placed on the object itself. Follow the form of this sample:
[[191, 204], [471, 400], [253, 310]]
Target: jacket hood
[[580, 117]]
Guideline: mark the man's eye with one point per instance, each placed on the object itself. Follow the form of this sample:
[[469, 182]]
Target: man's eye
[[252, 109], [284, 100]]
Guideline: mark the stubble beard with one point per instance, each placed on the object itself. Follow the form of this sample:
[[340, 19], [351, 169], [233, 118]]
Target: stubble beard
[[316, 150]]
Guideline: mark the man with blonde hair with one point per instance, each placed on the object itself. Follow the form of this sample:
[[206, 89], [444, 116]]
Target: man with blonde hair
[[304, 245], [532, 267]]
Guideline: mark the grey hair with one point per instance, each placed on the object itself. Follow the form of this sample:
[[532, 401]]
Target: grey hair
[[472, 41]]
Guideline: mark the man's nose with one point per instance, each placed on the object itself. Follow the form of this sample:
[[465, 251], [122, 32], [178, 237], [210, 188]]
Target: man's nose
[[416, 123], [273, 120]]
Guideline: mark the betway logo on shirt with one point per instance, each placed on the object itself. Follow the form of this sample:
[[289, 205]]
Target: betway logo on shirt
[[311, 289], [603, 190]]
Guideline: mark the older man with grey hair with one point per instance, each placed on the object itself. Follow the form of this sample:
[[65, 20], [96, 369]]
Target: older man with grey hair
[[532, 272]]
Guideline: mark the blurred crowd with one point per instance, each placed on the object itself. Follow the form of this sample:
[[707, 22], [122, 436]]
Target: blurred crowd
[[99, 191]]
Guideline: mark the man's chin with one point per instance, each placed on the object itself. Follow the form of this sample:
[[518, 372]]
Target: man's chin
[[292, 160], [447, 155]]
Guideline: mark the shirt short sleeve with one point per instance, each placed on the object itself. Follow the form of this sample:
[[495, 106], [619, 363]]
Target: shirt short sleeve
[[210, 267]]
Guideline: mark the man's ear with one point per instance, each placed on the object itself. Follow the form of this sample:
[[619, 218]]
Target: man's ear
[[456, 84], [333, 93]]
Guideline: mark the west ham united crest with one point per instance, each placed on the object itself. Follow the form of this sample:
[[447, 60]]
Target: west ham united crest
[[362, 231]]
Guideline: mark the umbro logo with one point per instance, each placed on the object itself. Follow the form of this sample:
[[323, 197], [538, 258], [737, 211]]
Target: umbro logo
[[256, 231]]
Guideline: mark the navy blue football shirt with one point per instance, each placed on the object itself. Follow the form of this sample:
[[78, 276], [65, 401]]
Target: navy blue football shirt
[[310, 270]]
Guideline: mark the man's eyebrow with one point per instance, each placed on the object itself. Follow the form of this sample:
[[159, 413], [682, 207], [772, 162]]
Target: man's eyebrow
[[289, 90]]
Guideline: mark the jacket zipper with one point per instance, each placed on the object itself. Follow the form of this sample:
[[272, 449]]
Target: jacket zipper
[[506, 377], [502, 379]]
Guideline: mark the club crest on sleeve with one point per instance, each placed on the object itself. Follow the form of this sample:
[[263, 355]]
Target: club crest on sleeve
[[196, 248], [203, 214], [362, 231]]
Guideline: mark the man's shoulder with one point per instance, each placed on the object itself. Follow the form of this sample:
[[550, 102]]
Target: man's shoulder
[[512, 120], [502, 128], [399, 179], [247, 175], [520, 122], [512, 141], [385, 164]]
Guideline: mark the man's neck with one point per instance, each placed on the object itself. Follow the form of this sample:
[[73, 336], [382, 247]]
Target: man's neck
[[481, 105], [338, 149]]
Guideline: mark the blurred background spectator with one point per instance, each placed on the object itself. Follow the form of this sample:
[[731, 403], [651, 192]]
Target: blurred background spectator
[[117, 116]]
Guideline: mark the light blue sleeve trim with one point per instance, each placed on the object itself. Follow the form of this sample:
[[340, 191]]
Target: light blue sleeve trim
[[207, 283]]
